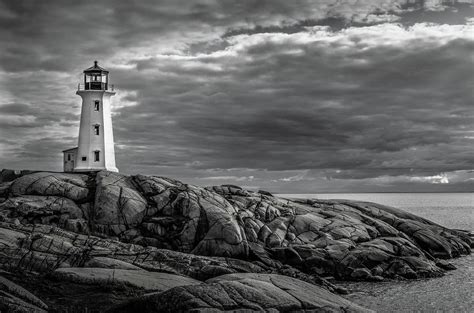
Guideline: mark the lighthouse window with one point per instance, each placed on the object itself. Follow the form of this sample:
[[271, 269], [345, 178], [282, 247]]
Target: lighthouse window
[[84, 158], [69, 157], [96, 129], [96, 105], [96, 156]]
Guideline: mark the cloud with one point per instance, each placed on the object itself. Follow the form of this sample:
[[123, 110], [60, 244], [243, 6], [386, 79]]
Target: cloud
[[229, 178], [333, 94], [302, 115], [298, 177], [436, 179]]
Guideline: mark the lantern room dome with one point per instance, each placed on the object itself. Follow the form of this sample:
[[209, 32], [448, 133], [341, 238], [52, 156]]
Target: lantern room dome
[[96, 69]]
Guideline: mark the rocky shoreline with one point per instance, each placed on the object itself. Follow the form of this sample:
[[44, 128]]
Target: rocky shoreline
[[104, 241]]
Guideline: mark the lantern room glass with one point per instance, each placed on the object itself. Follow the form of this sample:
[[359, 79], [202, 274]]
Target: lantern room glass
[[95, 81], [96, 78]]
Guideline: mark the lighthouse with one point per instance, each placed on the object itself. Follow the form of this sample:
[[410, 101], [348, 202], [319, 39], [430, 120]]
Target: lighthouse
[[95, 150]]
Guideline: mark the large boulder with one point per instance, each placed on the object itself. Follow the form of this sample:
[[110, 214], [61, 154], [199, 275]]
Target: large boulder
[[72, 186], [49, 210], [190, 219], [118, 205]]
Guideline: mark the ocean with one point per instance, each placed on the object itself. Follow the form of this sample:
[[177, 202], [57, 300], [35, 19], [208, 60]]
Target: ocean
[[452, 293]]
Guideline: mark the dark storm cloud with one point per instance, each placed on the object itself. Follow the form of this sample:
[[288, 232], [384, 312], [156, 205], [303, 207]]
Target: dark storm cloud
[[59, 34], [275, 112], [327, 94]]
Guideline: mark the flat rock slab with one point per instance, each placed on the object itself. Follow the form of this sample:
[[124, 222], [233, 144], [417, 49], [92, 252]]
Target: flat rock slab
[[104, 262], [150, 281], [243, 292]]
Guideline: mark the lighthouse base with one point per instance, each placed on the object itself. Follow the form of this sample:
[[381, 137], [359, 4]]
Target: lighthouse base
[[95, 169]]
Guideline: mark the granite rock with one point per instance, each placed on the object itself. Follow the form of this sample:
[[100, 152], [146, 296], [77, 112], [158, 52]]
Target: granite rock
[[81, 230], [71, 186]]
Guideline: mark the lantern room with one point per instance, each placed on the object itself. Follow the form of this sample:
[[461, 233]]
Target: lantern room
[[96, 78]]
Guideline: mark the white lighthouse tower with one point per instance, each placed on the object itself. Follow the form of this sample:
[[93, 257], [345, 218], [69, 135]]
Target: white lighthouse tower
[[95, 149]]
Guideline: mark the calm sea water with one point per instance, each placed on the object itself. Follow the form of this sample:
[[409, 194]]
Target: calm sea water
[[452, 293]]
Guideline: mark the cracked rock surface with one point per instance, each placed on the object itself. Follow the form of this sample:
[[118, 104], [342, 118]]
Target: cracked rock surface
[[245, 292], [124, 236]]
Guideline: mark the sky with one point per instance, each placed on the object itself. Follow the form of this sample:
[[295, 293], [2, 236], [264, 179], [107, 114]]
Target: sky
[[285, 96]]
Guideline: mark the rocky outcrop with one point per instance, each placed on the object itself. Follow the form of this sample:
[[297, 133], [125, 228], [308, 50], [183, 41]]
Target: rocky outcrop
[[137, 234]]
